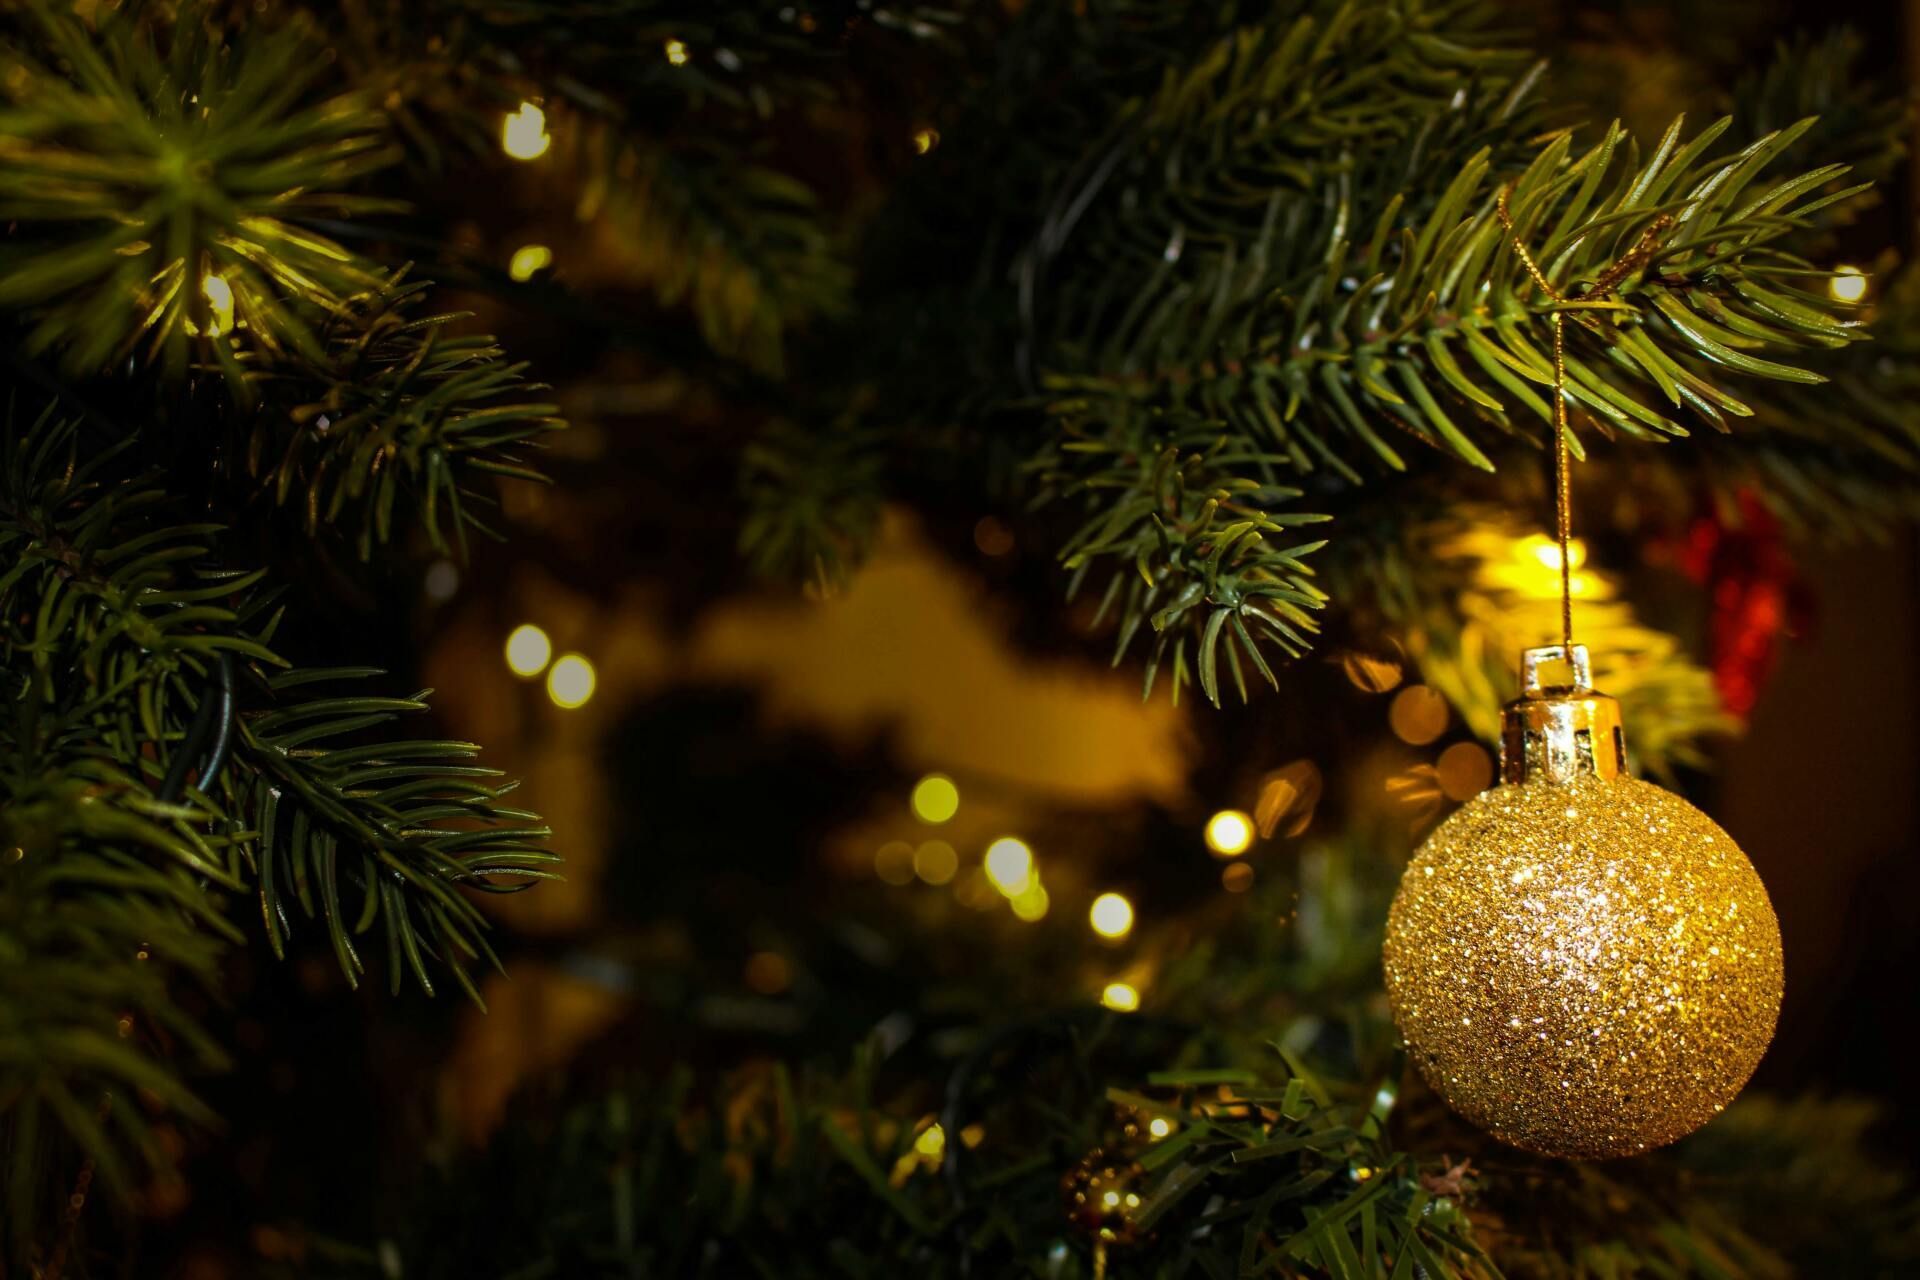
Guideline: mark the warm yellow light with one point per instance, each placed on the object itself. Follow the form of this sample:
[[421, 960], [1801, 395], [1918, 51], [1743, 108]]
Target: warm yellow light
[[219, 304], [677, 52], [935, 799], [925, 140], [935, 862], [1111, 916], [1849, 284], [1010, 865], [1229, 832], [769, 973], [1160, 1127], [1030, 904], [523, 133], [570, 682], [932, 1144], [1547, 551], [528, 650], [1418, 715], [1236, 877], [529, 260], [1121, 997], [894, 862]]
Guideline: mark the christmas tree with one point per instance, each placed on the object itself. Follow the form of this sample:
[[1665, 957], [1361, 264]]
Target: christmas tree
[[887, 395]]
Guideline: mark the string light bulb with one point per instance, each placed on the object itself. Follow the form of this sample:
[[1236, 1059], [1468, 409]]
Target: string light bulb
[[528, 261], [523, 133], [570, 681], [219, 295], [676, 52], [1229, 833], [1121, 997], [1848, 284], [1111, 916], [528, 650]]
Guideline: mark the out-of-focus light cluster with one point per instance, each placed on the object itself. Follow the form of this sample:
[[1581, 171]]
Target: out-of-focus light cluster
[[935, 799], [523, 133], [1848, 284], [1547, 551], [935, 862], [676, 51], [571, 681], [1111, 916], [1465, 770], [528, 650], [1160, 1126], [528, 261], [1229, 833], [925, 140], [932, 1143], [1371, 673], [1121, 997], [1236, 877]]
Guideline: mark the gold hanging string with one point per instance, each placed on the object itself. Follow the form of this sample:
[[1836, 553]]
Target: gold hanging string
[[1603, 285]]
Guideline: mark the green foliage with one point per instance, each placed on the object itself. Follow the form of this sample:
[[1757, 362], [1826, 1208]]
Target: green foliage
[[142, 158], [121, 618], [812, 501], [390, 419]]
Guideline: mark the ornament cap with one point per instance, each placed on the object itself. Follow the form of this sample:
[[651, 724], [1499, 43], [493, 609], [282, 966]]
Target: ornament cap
[[1559, 732]]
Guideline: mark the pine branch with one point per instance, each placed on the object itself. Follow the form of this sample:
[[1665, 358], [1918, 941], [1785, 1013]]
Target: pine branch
[[394, 419], [160, 183]]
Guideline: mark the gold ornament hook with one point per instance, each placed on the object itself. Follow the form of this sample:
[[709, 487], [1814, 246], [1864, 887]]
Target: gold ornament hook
[[1559, 732]]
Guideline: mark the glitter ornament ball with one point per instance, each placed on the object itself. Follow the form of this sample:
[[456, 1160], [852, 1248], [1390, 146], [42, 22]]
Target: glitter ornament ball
[[1582, 964]]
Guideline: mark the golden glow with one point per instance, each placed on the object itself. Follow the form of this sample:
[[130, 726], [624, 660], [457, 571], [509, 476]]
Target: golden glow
[[570, 682], [528, 261], [1418, 715], [1236, 877], [1370, 673], [528, 650], [925, 140], [1849, 284], [1010, 865], [1111, 916], [677, 52], [935, 862], [1121, 997], [1160, 1127], [1229, 832], [932, 1143], [935, 799], [219, 304], [523, 133], [1547, 551], [1030, 904], [893, 862]]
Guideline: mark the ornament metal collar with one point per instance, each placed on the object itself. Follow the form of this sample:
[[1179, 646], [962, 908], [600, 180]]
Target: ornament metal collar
[[1559, 732]]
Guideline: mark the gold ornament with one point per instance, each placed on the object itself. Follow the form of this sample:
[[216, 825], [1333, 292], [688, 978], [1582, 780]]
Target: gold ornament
[[1581, 963]]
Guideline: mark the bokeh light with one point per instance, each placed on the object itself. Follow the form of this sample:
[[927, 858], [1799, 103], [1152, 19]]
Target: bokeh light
[[925, 140], [676, 51], [769, 973], [1546, 551], [442, 579], [992, 537], [1121, 997], [1418, 715], [932, 1142], [1009, 864], [1849, 284], [570, 681], [523, 133], [1229, 833], [528, 261], [1111, 915], [1160, 1126], [893, 862], [1371, 673], [935, 799], [935, 862], [1236, 877], [1030, 904], [1465, 769], [528, 650]]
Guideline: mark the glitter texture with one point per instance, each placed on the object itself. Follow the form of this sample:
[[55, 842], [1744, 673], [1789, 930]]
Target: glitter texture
[[1585, 969]]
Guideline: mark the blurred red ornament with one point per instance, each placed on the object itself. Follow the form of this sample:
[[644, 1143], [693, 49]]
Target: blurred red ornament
[[1755, 593]]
